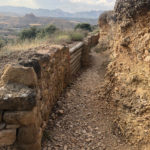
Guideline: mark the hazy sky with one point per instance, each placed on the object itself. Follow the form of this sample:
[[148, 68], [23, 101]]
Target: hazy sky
[[67, 5]]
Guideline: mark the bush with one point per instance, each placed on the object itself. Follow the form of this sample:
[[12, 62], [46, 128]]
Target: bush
[[83, 26], [50, 29], [2, 43], [63, 38], [47, 31], [28, 33], [76, 36], [33, 32]]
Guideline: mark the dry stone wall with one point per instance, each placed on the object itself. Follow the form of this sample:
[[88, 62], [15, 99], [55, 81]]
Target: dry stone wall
[[30, 88], [128, 74]]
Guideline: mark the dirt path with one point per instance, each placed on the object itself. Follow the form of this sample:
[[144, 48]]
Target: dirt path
[[83, 121]]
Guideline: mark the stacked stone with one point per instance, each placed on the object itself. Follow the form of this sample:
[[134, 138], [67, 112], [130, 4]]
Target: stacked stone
[[55, 76], [85, 53], [80, 53], [28, 91], [94, 39], [75, 57], [17, 105]]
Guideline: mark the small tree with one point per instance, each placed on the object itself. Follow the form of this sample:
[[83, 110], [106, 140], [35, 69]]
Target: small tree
[[28, 33], [47, 31], [50, 29], [83, 26]]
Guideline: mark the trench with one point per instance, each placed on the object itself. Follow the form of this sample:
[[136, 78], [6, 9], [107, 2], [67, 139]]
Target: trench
[[81, 119]]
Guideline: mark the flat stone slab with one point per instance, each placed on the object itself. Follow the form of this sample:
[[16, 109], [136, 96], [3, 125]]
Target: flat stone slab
[[17, 97]]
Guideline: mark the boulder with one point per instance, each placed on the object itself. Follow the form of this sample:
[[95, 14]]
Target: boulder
[[20, 75]]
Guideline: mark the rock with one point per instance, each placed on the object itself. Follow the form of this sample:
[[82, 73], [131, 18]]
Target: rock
[[33, 146], [17, 97], [12, 126], [20, 117], [146, 52], [33, 63], [124, 8], [2, 125], [20, 75], [53, 116], [60, 112], [29, 135], [147, 59], [139, 56], [88, 140], [7, 137], [59, 103], [65, 147], [84, 131], [1, 116], [126, 41]]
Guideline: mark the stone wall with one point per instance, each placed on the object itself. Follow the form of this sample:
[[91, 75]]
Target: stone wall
[[128, 74], [30, 88]]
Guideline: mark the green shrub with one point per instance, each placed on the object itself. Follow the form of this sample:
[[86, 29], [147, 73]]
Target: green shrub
[[2, 43], [83, 26], [76, 36], [63, 38], [28, 33], [33, 32], [50, 29], [47, 31]]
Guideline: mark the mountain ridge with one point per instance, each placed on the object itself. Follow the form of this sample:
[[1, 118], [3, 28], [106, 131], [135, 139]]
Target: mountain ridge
[[21, 11]]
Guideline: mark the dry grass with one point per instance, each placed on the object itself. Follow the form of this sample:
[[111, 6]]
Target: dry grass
[[60, 37], [22, 46]]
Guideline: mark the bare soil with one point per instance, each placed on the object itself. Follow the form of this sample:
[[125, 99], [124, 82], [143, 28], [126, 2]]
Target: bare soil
[[82, 120]]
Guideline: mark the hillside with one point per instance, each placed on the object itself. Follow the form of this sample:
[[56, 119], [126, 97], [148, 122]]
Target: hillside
[[126, 33], [11, 25]]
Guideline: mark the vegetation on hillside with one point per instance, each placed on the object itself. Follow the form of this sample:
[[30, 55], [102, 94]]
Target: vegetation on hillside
[[36, 36], [34, 32], [28, 33], [83, 26], [2, 42]]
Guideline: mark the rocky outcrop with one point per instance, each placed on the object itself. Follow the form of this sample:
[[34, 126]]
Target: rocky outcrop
[[30, 88], [106, 30], [131, 9], [128, 74]]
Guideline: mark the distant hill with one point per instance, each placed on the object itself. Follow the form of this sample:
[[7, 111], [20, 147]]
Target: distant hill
[[20, 22], [9, 21], [21, 11], [11, 25]]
